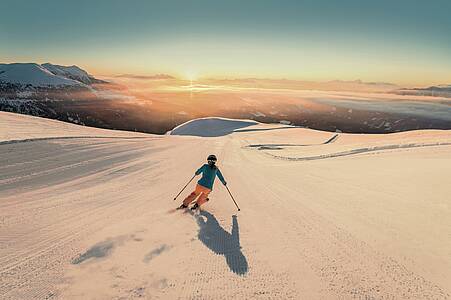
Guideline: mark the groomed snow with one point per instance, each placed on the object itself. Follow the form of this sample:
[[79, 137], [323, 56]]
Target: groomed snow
[[89, 214]]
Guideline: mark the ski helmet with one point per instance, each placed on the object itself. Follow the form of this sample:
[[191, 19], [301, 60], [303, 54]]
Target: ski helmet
[[212, 158]]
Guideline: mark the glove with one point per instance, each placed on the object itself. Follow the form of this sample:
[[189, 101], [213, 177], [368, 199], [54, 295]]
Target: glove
[[225, 182]]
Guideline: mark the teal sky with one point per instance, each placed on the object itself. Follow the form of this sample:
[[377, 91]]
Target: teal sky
[[406, 42]]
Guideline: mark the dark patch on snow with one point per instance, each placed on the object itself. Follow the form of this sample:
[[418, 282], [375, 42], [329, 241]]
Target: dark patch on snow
[[99, 250], [155, 252], [221, 242]]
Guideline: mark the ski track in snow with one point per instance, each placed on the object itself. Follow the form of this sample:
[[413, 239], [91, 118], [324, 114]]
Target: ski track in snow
[[278, 146], [358, 151], [92, 217], [70, 137], [337, 154], [347, 266], [26, 254]]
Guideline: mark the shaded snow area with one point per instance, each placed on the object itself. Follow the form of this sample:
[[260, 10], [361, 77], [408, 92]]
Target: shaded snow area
[[87, 213], [210, 127]]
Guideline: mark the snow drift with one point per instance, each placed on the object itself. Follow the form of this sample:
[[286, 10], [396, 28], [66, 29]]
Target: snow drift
[[211, 127]]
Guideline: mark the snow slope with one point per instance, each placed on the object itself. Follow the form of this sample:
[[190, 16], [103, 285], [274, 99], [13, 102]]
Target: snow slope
[[90, 215], [33, 74], [17, 128]]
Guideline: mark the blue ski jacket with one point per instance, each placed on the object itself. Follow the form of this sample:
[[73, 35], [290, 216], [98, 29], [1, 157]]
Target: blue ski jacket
[[208, 176]]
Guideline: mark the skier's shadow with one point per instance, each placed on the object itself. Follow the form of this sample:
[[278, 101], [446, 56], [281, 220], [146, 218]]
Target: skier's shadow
[[218, 240]]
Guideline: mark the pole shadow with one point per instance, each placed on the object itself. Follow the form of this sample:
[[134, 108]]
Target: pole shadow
[[218, 240]]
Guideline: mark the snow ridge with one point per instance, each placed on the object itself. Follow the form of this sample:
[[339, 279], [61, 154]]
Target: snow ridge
[[71, 72]]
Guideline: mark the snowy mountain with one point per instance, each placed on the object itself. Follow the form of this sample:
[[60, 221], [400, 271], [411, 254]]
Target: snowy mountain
[[72, 72], [32, 74], [51, 91], [45, 75]]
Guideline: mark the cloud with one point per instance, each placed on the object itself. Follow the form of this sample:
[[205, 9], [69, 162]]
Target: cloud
[[113, 95], [146, 77]]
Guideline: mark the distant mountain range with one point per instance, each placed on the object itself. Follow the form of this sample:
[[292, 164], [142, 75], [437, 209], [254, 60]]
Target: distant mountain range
[[69, 93], [433, 91], [333, 85]]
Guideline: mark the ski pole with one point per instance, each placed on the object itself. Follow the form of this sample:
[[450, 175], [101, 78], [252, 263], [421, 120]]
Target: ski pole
[[232, 198], [185, 186]]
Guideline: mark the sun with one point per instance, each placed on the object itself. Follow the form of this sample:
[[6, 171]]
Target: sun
[[191, 75]]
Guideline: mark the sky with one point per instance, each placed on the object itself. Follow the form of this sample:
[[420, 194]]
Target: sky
[[398, 41]]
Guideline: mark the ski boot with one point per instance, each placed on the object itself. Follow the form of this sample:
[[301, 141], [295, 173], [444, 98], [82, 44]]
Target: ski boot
[[182, 206]]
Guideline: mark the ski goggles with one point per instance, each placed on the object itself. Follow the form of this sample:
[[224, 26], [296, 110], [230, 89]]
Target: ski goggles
[[212, 161]]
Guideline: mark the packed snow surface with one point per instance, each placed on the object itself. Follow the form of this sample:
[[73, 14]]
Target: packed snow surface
[[87, 213]]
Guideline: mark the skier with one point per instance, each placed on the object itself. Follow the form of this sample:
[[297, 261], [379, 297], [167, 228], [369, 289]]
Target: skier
[[205, 184]]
